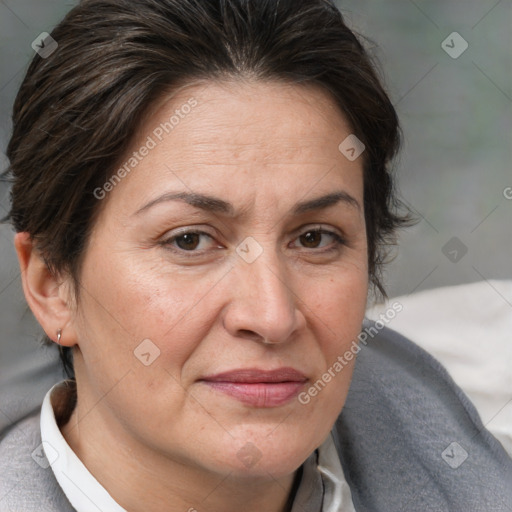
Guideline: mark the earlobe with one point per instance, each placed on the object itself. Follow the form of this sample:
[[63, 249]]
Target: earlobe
[[44, 293]]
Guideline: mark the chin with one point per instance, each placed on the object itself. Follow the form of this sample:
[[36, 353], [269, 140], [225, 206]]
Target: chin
[[276, 456]]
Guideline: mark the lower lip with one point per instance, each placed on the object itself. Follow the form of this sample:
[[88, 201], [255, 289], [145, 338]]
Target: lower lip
[[259, 394]]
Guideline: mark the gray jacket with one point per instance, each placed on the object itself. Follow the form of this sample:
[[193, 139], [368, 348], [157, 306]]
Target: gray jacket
[[408, 439]]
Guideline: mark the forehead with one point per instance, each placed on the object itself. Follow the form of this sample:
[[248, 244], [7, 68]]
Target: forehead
[[246, 118], [243, 135]]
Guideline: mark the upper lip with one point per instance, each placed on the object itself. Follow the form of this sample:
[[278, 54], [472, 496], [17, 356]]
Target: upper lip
[[254, 375]]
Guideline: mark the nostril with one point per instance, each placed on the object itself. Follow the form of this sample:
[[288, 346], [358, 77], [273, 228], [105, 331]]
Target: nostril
[[253, 336], [249, 334]]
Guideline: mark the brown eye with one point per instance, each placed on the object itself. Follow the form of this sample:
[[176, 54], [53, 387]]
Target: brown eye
[[193, 242], [313, 239], [188, 241]]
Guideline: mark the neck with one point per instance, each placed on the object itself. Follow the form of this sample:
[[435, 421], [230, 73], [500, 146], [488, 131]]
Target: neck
[[141, 479]]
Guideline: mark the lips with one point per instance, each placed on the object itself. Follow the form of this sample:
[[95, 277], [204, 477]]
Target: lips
[[258, 388]]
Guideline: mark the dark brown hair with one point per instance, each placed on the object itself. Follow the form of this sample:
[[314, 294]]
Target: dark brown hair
[[78, 109]]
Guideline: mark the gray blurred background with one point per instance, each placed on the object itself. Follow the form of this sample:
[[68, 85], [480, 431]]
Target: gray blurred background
[[455, 165]]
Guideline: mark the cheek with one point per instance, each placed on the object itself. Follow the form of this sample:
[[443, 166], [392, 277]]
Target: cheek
[[340, 309], [126, 303], [340, 301], [338, 313]]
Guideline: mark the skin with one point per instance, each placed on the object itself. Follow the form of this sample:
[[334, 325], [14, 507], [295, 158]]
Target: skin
[[156, 437]]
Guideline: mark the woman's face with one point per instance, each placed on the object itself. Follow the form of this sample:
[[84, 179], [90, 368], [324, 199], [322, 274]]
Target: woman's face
[[226, 274]]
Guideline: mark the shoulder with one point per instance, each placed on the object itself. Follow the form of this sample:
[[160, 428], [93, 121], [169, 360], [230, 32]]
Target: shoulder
[[26, 479], [409, 438]]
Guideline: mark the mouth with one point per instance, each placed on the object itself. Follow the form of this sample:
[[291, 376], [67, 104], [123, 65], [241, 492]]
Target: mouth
[[258, 388]]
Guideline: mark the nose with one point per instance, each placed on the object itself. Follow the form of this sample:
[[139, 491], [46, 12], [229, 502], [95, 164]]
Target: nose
[[264, 305]]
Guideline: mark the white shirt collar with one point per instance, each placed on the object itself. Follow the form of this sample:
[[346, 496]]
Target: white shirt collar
[[337, 495], [86, 494], [83, 491]]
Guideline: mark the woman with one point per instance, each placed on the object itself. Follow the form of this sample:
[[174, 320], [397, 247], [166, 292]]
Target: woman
[[202, 197]]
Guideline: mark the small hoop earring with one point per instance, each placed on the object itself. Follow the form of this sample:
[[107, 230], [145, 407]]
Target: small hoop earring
[[59, 335]]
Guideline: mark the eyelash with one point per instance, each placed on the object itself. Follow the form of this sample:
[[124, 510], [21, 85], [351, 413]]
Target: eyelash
[[339, 241]]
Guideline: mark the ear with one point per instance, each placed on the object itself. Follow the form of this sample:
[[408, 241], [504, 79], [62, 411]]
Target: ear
[[49, 298]]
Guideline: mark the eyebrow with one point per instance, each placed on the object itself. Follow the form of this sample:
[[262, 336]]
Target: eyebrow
[[216, 205]]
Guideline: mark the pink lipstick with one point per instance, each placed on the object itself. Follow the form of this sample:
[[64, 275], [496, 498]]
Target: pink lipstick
[[258, 388]]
